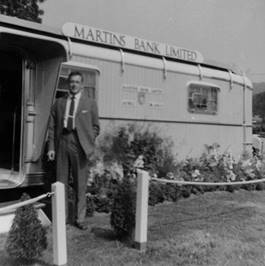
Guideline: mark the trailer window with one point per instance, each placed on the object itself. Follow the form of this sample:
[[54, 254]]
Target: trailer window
[[90, 81], [202, 98]]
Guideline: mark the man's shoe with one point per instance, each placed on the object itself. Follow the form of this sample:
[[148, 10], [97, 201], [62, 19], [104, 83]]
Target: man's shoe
[[81, 226]]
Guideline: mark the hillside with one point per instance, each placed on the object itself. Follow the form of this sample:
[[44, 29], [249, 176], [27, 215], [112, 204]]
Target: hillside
[[258, 87], [259, 104]]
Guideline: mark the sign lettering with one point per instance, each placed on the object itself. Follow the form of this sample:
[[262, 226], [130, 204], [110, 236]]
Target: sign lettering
[[86, 33]]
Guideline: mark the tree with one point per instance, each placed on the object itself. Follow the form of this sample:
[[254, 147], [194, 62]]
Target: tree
[[27, 237], [24, 9], [258, 109]]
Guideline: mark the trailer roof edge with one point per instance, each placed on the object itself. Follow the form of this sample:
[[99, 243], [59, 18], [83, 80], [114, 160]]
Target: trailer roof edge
[[29, 25], [18, 23]]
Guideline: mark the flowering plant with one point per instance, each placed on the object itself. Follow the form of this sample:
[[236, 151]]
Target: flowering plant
[[130, 147], [215, 166]]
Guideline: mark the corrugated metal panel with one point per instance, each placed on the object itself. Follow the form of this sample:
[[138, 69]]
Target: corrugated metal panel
[[120, 99], [151, 62], [114, 55], [163, 99]]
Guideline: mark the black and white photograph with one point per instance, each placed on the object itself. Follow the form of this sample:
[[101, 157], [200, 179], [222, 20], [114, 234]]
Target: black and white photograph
[[132, 132]]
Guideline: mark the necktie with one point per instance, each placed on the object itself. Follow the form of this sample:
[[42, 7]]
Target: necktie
[[70, 120]]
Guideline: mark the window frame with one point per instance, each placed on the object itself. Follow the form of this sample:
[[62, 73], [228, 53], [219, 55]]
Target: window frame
[[201, 85], [76, 66]]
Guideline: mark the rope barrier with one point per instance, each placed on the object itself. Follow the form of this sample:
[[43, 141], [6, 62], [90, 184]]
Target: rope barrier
[[141, 215], [23, 203], [58, 220], [199, 183]]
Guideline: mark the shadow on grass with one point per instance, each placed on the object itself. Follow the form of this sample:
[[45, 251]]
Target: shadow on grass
[[7, 261], [109, 235], [106, 234]]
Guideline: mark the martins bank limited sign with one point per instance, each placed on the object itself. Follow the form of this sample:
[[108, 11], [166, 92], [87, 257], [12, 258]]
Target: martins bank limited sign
[[86, 33]]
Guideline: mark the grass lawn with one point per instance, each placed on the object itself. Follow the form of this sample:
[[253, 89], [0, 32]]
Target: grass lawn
[[218, 228]]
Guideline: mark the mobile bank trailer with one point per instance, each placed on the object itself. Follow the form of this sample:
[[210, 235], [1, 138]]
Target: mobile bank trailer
[[134, 80]]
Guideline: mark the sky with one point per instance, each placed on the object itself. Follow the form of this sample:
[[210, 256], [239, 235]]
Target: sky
[[227, 31]]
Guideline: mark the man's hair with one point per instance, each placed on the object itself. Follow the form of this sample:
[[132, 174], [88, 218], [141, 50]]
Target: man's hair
[[75, 73]]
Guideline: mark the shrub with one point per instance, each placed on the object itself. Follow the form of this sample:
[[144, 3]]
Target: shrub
[[122, 217], [128, 144], [90, 206], [27, 237], [171, 192], [197, 190], [260, 186], [130, 141], [156, 193], [127, 148], [102, 203], [101, 192], [186, 191]]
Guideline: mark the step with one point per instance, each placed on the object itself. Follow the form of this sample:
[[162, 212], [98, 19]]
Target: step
[[7, 217], [10, 178]]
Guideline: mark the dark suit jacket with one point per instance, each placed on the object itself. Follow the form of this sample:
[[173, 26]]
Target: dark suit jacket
[[86, 122]]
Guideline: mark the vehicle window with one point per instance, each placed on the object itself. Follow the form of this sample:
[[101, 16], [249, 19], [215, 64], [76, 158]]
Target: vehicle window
[[202, 98], [90, 77]]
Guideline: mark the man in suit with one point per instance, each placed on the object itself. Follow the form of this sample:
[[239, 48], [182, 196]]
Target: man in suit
[[73, 127]]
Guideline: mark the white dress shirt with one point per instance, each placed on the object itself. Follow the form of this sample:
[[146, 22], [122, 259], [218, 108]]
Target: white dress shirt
[[67, 109]]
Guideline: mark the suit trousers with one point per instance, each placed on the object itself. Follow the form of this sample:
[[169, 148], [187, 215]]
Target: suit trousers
[[70, 158]]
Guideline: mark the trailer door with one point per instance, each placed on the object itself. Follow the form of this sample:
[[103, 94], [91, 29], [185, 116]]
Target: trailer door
[[10, 112], [29, 68]]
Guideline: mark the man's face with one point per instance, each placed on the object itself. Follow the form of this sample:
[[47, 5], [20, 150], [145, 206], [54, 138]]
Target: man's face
[[75, 84]]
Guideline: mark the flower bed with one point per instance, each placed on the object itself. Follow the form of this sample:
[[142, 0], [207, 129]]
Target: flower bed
[[130, 147]]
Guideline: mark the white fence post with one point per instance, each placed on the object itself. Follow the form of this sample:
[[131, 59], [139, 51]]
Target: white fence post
[[141, 210], [58, 225]]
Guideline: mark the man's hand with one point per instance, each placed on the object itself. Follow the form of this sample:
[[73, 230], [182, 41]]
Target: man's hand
[[51, 155]]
